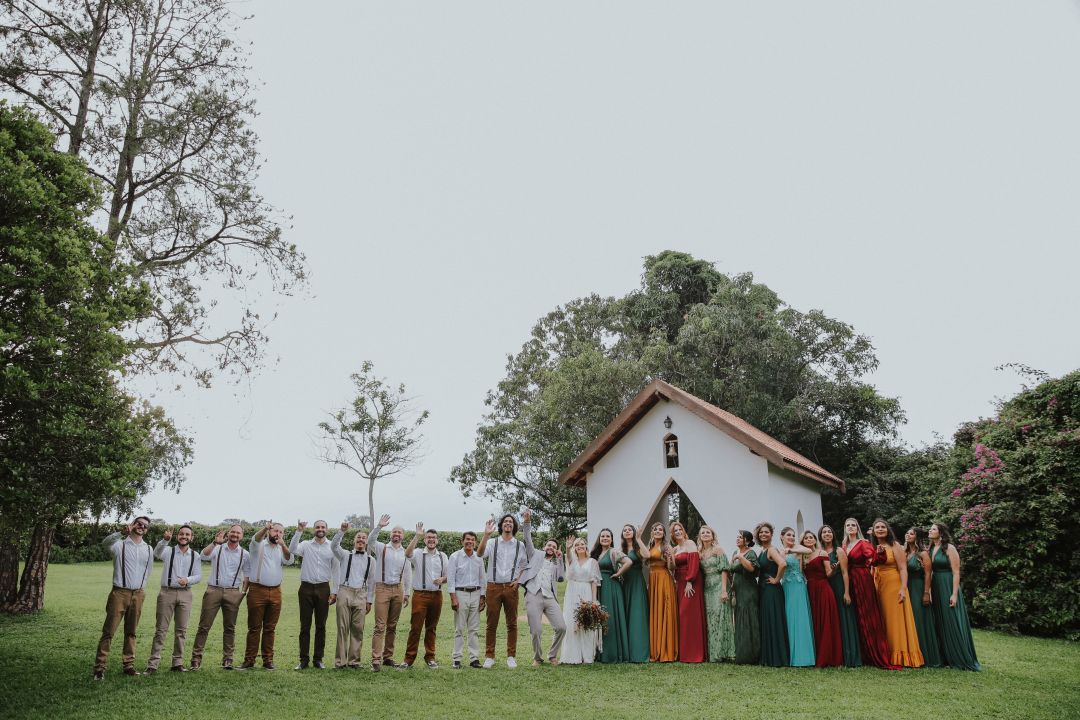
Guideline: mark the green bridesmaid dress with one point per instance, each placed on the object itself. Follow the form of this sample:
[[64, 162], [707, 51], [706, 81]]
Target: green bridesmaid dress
[[718, 623], [774, 641], [747, 629], [924, 615], [616, 644], [849, 624], [954, 628], [637, 610]]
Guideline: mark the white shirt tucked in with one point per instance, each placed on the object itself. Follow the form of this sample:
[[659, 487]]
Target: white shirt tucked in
[[131, 561], [178, 563]]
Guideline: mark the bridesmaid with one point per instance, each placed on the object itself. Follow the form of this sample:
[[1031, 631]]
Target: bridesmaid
[[663, 608], [636, 595], [872, 641], [950, 612], [614, 647], [714, 564], [890, 577], [919, 571], [774, 641], [689, 589], [841, 584], [828, 647], [745, 601], [796, 602]]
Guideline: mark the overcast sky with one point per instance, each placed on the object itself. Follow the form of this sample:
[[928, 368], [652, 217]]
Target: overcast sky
[[457, 170]]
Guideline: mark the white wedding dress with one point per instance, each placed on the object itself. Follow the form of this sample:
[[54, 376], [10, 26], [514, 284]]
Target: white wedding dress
[[579, 646]]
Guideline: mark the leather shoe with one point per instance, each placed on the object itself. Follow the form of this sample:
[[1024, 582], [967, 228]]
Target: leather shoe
[[475, 664], [129, 670], [178, 668], [301, 666], [318, 664], [99, 674], [147, 671], [375, 667], [226, 666], [194, 666], [269, 666], [246, 666]]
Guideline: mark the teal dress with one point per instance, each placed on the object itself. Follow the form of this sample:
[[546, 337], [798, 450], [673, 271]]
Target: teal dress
[[719, 627], [744, 590], [923, 614], [773, 622], [849, 625], [954, 629], [616, 642], [797, 614], [637, 611]]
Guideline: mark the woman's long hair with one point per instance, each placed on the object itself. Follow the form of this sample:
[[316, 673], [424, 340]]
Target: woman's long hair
[[663, 540], [858, 532], [920, 540], [596, 549], [890, 537], [821, 543], [627, 546], [946, 536], [757, 533], [713, 548]]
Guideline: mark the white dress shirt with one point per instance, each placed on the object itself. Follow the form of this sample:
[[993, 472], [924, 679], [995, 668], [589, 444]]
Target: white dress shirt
[[426, 566], [178, 563], [318, 557], [506, 559], [265, 562], [226, 566], [131, 561], [391, 566], [465, 571], [353, 569]]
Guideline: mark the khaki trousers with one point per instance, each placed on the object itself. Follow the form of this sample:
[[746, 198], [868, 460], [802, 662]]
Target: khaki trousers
[[172, 603], [264, 609], [388, 602], [426, 609], [501, 596], [227, 600], [352, 608], [536, 607], [467, 624], [122, 605]]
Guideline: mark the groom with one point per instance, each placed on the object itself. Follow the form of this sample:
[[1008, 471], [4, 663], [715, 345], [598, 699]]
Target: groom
[[544, 570]]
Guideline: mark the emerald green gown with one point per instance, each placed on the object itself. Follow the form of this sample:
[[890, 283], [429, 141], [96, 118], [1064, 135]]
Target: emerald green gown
[[954, 628], [637, 610], [747, 627], [718, 623], [923, 614], [616, 643], [774, 641], [849, 624]]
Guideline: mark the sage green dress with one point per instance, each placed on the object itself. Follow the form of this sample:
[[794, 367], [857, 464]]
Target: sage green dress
[[747, 629], [923, 614], [718, 623], [954, 629], [637, 610], [615, 642]]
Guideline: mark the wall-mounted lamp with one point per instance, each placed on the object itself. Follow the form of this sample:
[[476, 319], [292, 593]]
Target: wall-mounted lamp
[[667, 422]]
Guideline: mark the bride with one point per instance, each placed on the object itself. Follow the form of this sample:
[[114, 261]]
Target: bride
[[582, 580]]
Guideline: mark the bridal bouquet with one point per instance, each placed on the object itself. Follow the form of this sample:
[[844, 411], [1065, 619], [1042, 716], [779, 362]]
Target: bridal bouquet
[[590, 616]]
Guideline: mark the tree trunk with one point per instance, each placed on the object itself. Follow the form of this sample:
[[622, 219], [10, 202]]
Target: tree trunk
[[9, 567], [98, 30], [371, 508], [32, 586]]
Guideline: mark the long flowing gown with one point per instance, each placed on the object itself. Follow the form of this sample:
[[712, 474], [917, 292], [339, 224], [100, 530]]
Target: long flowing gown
[[828, 648], [637, 610], [616, 645], [797, 614], [579, 646], [774, 643], [872, 641], [849, 625], [719, 627], [747, 631], [899, 622], [954, 628], [923, 614], [691, 609], [663, 611]]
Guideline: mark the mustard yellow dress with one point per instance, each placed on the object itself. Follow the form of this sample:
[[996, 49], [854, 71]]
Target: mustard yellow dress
[[663, 611], [900, 630]]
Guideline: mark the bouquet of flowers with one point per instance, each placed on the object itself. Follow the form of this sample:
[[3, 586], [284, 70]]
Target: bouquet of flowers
[[590, 616]]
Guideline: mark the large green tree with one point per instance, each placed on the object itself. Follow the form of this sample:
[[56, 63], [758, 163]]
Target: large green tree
[[71, 442], [733, 342]]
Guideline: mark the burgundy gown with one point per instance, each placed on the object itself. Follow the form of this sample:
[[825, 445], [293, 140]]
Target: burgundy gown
[[824, 613], [872, 638], [692, 640]]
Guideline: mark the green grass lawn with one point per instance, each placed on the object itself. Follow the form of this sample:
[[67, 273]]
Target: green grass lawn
[[46, 664]]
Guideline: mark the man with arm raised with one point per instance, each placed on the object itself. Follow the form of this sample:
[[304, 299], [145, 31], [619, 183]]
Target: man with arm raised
[[132, 560], [354, 593], [506, 559], [269, 555], [544, 571], [182, 570], [392, 576], [225, 588], [314, 594], [429, 568]]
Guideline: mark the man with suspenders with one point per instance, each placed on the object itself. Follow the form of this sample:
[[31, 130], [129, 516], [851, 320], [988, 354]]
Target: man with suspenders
[[268, 553], [225, 588], [429, 569], [506, 559], [182, 570], [132, 559], [392, 576], [354, 593]]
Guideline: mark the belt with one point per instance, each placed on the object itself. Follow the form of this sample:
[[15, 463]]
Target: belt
[[223, 587], [121, 587], [468, 589], [397, 584], [315, 584], [437, 592], [176, 588], [501, 583], [268, 587]]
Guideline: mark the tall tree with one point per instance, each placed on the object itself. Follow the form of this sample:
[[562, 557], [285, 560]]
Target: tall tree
[[377, 435], [154, 95], [727, 339], [70, 440]]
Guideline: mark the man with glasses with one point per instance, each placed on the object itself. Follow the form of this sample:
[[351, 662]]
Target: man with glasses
[[132, 560]]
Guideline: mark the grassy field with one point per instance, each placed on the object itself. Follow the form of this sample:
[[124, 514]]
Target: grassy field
[[46, 664]]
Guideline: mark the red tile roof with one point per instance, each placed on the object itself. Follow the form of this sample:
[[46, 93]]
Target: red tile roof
[[738, 429]]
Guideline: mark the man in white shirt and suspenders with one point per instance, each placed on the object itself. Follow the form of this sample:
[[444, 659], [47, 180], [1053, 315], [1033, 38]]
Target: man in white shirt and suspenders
[[391, 579], [182, 570], [354, 594], [132, 560], [466, 584], [225, 588], [265, 572], [506, 559], [429, 568]]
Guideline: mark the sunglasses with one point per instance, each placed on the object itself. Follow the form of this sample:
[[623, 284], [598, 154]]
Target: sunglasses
[[142, 525]]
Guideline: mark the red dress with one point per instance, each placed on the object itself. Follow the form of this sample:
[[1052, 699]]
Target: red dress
[[691, 609], [872, 638], [826, 616]]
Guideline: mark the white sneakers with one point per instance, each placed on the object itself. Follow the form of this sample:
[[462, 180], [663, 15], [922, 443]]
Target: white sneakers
[[489, 663], [511, 663]]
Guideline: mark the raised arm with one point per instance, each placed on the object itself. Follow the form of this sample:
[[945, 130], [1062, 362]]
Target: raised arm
[[526, 526], [412, 543], [258, 537], [489, 527], [294, 544], [218, 540], [642, 548]]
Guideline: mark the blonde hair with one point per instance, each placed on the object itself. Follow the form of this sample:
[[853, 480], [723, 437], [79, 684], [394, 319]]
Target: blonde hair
[[713, 548], [858, 532]]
